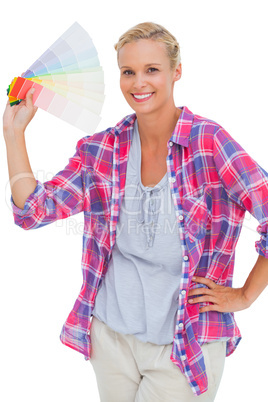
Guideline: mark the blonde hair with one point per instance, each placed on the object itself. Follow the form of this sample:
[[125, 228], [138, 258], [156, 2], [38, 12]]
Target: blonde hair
[[150, 30]]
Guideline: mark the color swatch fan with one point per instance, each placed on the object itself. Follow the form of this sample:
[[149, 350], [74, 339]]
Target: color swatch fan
[[68, 81]]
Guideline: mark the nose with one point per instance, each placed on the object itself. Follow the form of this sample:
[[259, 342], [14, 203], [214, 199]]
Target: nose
[[139, 81]]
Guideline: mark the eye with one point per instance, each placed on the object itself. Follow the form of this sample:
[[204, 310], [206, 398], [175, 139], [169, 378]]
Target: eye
[[127, 72], [152, 69]]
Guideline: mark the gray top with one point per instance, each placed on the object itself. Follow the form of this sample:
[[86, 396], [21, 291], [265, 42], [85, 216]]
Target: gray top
[[139, 293]]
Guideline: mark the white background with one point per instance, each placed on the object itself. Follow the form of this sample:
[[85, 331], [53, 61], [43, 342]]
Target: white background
[[224, 59]]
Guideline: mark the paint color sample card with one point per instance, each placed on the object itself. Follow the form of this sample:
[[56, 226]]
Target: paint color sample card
[[68, 80]]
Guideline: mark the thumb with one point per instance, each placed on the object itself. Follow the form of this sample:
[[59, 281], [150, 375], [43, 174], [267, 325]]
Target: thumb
[[29, 98]]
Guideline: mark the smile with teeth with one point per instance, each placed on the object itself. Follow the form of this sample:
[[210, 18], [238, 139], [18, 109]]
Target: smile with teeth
[[142, 96]]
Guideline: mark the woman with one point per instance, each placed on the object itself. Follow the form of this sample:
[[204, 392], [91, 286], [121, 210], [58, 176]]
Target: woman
[[164, 194]]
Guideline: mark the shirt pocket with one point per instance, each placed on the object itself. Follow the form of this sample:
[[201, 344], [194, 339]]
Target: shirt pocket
[[98, 194], [197, 214]]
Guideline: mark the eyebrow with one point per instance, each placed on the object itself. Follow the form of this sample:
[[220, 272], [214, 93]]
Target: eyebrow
[[146, 65]]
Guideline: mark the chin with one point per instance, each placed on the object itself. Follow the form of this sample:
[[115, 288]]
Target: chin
[[142, 108]]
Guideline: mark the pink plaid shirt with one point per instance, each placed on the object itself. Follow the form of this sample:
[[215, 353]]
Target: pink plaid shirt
[[213, 182]]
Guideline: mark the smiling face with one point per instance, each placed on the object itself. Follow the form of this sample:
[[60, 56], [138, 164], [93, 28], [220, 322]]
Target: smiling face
[[146, 78]]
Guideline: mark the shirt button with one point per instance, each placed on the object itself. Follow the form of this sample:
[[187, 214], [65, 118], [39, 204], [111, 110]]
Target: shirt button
[[180, 325], [170, 143], [181, 217], [88, 332], [186, 258], [183, 358], [183, 292]]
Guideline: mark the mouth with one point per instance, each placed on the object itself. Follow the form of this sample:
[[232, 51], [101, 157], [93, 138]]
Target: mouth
[[142, 97]]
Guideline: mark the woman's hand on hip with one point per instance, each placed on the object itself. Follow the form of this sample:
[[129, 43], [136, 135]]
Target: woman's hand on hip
[[224, 299]]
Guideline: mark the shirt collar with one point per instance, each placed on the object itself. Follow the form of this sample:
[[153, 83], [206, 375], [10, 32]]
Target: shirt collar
[[183, 127], [180, 134]]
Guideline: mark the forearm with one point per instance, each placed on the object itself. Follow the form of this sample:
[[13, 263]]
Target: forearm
[[257, 280], [15, 121], [22, 180]]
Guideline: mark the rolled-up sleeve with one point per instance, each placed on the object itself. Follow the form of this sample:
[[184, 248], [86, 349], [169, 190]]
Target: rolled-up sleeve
[[58, 198], [262, 244], [245, 182]]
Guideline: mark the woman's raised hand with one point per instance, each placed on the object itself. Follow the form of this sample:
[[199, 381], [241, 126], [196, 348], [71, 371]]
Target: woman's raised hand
[[17, 117], [15, 120]]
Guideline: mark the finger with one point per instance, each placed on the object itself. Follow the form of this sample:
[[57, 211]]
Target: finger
[[200, 291], [204, 281], [211, 307], [202, 299], [29, 98]]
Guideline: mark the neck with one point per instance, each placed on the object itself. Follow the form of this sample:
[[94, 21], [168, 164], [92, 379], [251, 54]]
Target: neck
[[155, 130]]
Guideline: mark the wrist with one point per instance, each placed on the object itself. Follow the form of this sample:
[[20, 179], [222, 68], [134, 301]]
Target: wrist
[[14, 136]]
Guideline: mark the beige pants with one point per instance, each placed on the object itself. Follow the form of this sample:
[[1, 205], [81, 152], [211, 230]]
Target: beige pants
[[128, 370]]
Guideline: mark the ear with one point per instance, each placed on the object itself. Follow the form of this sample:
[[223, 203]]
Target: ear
[[177, 72]]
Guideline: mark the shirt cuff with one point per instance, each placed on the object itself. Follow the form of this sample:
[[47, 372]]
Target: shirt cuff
[[36, 198], [262, 244]]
